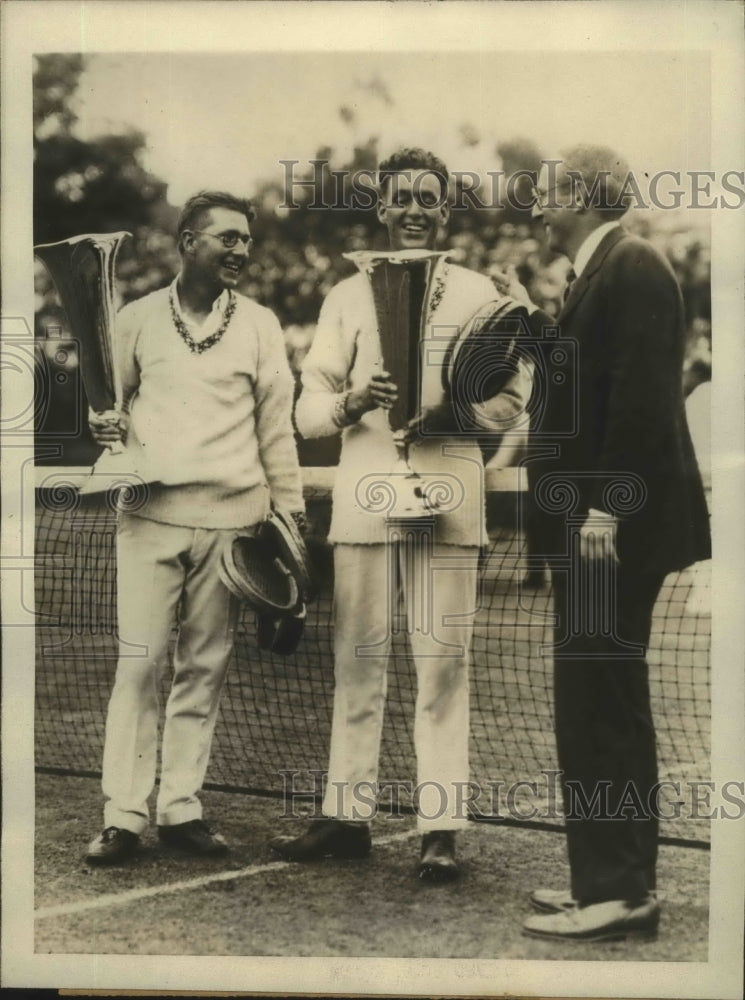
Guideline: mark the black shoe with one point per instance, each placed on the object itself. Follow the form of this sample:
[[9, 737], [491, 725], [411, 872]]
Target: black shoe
[[437, 860], [111, 846], [325, 838], [194, 837]]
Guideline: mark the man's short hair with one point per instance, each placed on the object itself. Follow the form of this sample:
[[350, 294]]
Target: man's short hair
[[203, 201], [409, 159], [604, 173]]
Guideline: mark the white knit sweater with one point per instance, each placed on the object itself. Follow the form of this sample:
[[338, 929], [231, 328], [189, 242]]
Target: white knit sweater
[[213, 430], [344, 355]]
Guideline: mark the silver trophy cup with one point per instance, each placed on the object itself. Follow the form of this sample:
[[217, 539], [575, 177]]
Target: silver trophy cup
[[82, 269], [402, 284]]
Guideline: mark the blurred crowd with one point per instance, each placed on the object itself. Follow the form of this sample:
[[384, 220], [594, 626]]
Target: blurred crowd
[[297, 280], [102, 185], [292, 279]]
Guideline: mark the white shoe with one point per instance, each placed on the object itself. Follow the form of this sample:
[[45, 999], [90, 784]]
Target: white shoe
[[614, 920], [552, 900]]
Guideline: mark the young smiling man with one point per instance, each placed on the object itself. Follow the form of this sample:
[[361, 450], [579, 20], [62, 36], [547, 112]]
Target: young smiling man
[[207, 420], [344, 388]]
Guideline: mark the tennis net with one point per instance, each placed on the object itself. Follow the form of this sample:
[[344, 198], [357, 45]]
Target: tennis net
[[276, 711]]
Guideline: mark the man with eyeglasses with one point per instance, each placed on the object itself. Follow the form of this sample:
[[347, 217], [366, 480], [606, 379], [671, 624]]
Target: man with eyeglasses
[[638, 512], [207, 403]]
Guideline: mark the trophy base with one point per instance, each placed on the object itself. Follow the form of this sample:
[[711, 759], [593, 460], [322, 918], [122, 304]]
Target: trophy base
[[113, 469], [411, 500]]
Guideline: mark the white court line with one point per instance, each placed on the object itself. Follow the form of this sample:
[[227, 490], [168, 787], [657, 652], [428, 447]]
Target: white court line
[[122, 898]]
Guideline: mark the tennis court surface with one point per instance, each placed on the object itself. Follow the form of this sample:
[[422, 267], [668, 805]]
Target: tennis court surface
[[276, 717], [253, 904]]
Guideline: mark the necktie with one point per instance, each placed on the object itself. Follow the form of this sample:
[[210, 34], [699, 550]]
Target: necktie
[[571, 278]]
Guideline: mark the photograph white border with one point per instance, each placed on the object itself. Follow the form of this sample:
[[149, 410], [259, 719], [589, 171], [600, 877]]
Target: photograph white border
[[94, 26]]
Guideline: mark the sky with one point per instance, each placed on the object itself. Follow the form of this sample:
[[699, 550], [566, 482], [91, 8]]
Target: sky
[[227, 119]]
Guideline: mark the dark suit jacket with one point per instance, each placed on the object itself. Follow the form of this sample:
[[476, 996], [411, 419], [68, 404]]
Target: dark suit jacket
[[625, 313]]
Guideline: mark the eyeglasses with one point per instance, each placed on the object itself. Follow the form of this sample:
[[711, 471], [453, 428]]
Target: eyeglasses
[[228, 240], [542, 196]]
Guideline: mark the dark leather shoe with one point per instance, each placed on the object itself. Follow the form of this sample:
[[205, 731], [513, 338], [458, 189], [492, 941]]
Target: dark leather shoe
[[437, 859], [325, 838], [552, 900], [615, 920], [195, 837], [111, 846]]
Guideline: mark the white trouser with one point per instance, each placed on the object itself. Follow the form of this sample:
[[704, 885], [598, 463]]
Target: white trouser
[[440, 595], [164, 570]]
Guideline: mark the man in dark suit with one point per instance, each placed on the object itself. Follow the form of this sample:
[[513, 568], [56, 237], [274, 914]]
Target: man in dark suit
[[619, 505]]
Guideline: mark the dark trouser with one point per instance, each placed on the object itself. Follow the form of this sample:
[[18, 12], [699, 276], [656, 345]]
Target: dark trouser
[[604, 730]]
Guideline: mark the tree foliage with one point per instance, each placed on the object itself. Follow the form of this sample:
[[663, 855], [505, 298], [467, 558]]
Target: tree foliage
[[100, 184], [56, 79], [94, 185]]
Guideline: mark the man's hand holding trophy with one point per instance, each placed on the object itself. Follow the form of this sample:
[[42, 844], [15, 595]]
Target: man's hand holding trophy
[[109, 429]]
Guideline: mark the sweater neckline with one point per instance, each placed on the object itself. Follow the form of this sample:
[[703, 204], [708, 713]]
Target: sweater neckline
[[200, 346]]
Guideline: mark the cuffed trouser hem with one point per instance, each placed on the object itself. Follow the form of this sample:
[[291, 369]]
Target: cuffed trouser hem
[[185, 814], [424, 825], [124, 820]]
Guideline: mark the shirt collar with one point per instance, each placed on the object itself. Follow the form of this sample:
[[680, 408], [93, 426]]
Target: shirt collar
[[590, 245], [218, 306]]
